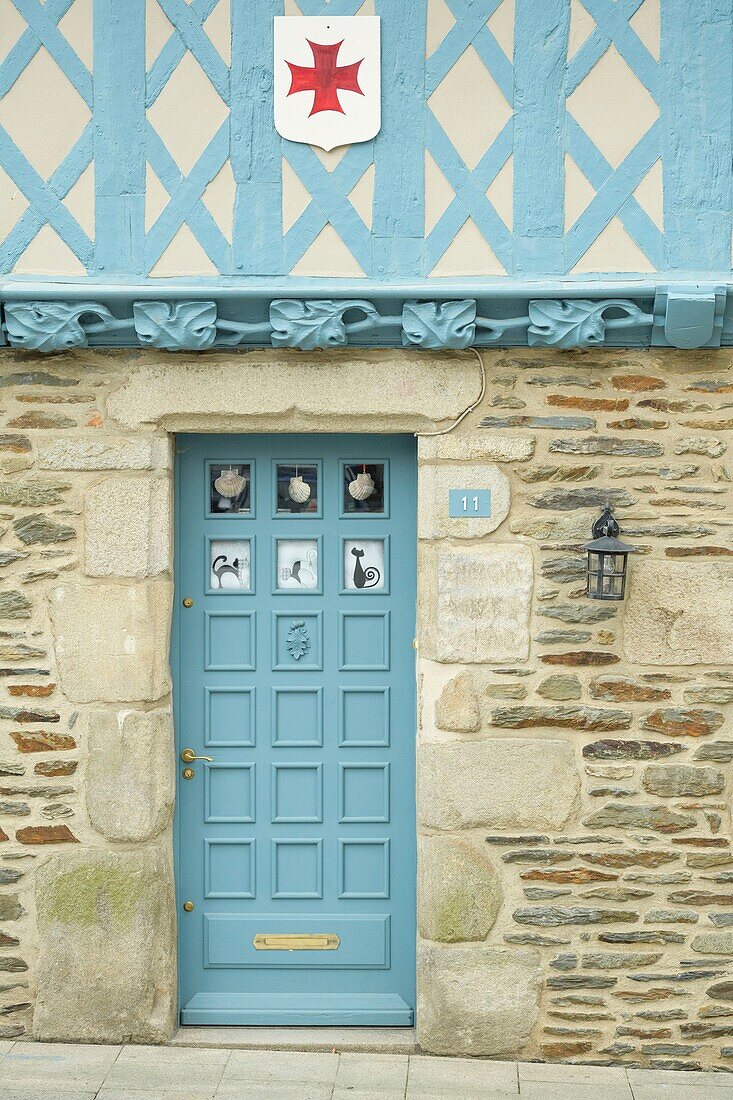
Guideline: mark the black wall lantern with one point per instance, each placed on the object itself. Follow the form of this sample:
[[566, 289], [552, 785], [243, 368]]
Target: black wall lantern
[[607, 558]]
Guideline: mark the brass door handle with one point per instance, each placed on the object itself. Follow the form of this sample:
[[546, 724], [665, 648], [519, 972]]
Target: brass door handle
[[189, 755]]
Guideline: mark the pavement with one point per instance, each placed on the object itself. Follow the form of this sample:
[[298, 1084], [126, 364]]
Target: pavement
[[42, 1071]]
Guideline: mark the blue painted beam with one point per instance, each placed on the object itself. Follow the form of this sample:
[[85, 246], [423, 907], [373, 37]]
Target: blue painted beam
[[256, 148], [119, 136], [398, 228], [697, 107], [540, 56]]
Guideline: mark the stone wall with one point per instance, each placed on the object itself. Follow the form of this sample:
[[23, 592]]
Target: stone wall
[[574, 760]]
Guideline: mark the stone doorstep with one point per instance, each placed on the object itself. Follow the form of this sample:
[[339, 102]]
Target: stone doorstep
[[367, 1040]]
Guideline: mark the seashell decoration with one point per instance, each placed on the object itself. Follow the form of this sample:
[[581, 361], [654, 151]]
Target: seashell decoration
[[230, 484], [362, 486], [298, 490]]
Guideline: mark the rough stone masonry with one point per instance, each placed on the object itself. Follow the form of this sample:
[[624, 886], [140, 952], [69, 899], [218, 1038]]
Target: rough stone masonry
[[575, 879]]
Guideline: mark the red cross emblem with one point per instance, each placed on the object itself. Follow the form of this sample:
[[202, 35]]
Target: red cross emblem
[[335, 58], [326, 78]]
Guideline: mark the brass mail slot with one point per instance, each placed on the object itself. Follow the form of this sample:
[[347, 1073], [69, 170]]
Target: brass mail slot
[[296, 941]]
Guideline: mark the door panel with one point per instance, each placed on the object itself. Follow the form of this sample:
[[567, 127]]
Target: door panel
[[295, 674]]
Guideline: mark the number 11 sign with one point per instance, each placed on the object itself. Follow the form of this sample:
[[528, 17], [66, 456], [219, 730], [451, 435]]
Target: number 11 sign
[[469, 503]]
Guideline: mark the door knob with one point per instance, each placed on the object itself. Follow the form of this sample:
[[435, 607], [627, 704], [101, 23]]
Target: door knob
[[189, 755]]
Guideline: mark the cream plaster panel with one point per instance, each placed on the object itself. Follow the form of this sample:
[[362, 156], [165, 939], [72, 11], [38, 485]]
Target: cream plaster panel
[[47, 254], [613, 250], [219, 29], [649, 194], [13, 203], [187, 113], [578, 192], [77, 28], [328, 255], [183, 256], [295, 197], [613, 107], [440, 21], [13, 26], [156, 198], [331, 158], [157, 31], [279, 391], [501, 25], [438, 193], [468, 254], [646, 22], [470, 107], [361, 197], [80, 201], [500, 193], [43, 113], [219, 199], [582, 26]]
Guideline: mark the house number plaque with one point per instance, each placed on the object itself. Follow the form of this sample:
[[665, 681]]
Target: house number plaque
[[469, 503]]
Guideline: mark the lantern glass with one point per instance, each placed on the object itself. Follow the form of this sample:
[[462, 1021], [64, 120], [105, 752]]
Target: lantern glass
[[606, 575]]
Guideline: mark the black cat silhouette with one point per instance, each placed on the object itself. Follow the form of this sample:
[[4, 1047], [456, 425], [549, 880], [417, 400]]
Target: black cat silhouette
[[226, 568], [363, 576]]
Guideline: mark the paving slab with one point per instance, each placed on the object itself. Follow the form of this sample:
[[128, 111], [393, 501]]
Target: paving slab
[[145, 1067], [63, 1064], [380, 1073], [575, 1090], [358, 1093], [273, 1090], [283, 1067], [464, 1078], [386, 1040], [672, 1091], [669, 1078], [553, 1071], [154, 1094], [47, 1091]]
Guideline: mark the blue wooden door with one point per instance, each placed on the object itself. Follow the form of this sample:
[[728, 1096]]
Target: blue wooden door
[[294, 689]]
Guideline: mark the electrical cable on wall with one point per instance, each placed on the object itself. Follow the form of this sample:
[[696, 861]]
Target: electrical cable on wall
[[464, 414]]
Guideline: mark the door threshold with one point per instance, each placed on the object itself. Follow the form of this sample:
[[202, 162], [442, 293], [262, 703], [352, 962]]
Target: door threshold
[[296, 1010], [369, 1040]]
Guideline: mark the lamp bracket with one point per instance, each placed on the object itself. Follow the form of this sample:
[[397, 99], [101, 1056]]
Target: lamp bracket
[[606, 525]]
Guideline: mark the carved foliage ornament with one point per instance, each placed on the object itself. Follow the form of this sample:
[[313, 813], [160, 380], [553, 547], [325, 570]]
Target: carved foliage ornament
[[51, 326], [174, 325], [578, 322], [310, 324], [439, 324]]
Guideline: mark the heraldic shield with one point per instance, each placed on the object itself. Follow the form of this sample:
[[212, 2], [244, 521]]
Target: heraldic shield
[[327, 79]]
